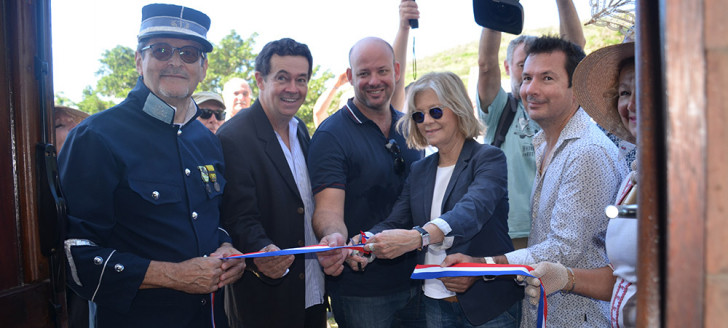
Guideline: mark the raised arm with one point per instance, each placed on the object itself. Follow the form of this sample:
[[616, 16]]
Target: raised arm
[[489, 74], [407, 10], [320, 109], [570, 26]]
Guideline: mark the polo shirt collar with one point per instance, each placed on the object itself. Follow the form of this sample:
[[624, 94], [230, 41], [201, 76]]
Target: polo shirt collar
[[353, 113]]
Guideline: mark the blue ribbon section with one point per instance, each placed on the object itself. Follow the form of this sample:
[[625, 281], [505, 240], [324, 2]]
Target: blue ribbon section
[[479, 269], [297, 250]]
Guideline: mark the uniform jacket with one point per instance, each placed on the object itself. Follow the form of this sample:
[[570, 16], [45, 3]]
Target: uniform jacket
[[139, 188], [475, 205], [262, 206]]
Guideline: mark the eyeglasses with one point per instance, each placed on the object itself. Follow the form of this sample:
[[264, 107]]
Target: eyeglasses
[[419, 117], [393, 148], [164, 52], [206, 113]]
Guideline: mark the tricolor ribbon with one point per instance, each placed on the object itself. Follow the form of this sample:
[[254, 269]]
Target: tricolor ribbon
[[296, 250], [480, 269]]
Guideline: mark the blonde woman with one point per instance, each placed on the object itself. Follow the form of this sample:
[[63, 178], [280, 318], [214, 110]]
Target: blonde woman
[[455, 201]]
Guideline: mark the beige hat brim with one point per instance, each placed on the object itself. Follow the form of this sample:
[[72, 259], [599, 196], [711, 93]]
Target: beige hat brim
[[593, 78]]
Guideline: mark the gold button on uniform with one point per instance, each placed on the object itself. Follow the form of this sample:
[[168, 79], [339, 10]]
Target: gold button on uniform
[[300, 210]]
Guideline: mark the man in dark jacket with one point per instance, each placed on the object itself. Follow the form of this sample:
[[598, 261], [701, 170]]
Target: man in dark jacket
[[268, 202]]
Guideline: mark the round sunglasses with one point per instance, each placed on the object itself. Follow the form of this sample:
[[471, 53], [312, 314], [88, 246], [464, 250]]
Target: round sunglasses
[[419, 117], [164, 52]]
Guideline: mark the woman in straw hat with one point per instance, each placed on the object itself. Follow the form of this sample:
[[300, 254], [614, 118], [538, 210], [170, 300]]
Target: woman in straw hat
[[604, 85]]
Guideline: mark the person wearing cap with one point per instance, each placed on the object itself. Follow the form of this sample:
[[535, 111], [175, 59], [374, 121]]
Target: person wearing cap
[[66, 118], [604, 84], [493, 102], [143, 182], [578, 172], [237, 94], [212, 109], [268, 202]]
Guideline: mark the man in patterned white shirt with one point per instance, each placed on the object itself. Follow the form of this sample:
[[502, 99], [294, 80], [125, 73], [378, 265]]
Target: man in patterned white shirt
[[578, 172]]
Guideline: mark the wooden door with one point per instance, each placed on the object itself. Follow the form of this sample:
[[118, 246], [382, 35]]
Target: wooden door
[[27, 297]]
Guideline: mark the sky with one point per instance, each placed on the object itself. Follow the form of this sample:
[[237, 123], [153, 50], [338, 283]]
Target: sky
[[83, 29]]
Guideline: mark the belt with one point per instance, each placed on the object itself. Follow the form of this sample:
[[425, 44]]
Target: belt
[[451, 299]]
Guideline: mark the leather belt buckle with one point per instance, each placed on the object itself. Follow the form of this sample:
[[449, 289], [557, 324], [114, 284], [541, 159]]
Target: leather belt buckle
[[451, 299]]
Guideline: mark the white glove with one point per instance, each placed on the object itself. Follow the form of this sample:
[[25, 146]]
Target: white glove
[[554, 276]]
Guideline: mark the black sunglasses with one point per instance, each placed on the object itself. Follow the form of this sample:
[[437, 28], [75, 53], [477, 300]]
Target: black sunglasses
[[393, 148], [206, 113], [164, 52], [419, 117]]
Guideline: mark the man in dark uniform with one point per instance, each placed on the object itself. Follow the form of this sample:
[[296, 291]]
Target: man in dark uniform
[[268, 201], [143, 181]]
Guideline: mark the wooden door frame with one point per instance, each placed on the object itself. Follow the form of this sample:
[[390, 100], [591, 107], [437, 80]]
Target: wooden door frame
[[671, 78]]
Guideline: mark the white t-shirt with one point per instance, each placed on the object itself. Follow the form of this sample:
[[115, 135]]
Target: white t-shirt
[[434, 288]]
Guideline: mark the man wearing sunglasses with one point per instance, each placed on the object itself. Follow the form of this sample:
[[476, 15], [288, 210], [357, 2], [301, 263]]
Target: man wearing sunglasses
[[212, 109], [144, 241]]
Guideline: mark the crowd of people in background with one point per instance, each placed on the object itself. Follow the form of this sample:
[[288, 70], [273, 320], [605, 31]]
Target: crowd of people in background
[[181, 182]]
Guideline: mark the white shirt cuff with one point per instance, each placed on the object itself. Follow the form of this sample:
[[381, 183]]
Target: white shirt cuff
[[520, 256], [442, 225]]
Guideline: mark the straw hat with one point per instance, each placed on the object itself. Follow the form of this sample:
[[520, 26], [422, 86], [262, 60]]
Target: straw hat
[[594, 77]]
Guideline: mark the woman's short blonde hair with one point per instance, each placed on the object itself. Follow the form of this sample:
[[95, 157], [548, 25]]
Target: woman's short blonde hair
[[452, 95]]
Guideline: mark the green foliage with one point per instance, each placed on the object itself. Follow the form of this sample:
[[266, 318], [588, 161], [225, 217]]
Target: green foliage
[[118, 72], [316, 87], [461, 59], [233, 57], [62, 100], [92, 103]]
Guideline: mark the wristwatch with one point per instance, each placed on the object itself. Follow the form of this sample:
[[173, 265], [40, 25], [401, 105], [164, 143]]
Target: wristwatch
[[489, 260], [425, 236]]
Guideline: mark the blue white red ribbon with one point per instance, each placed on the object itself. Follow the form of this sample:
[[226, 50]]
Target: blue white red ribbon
[[480, 269], [296, 250]]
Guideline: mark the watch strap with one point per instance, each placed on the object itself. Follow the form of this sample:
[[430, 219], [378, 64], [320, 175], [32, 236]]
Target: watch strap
[[425, 236]]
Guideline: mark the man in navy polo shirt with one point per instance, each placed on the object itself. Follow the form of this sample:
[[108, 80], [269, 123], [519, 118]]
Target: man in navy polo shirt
[[358, 163], [143, 181]]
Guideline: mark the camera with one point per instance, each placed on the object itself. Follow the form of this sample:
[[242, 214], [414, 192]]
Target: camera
[[500, 15]]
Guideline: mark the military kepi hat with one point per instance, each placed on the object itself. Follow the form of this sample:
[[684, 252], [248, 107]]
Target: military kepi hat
[[173, 21]]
